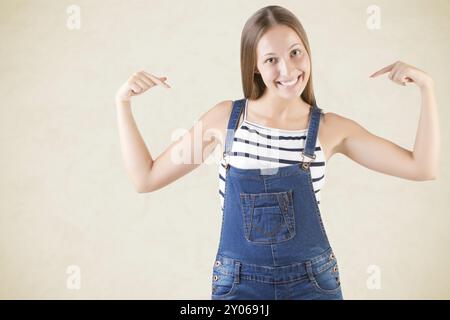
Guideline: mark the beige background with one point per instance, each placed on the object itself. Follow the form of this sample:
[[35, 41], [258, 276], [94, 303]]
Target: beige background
[[67, 200]]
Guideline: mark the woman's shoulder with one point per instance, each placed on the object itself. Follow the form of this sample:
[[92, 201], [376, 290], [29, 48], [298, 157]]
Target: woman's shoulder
[[220, 112], [224, 106], [335, 121], [220, 109], [335, 127], [216, 118]]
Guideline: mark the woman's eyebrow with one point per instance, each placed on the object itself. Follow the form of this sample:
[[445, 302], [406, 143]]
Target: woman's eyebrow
[[289, 48]]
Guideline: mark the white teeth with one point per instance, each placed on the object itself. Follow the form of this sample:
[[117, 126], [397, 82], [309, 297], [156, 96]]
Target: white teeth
[[289, 83]]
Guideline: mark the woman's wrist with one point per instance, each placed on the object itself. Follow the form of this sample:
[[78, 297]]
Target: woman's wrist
[[121, 103], [428, 84]]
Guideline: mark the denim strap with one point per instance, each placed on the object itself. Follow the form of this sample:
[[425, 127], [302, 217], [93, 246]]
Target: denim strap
[[313, 129], [233, 122]]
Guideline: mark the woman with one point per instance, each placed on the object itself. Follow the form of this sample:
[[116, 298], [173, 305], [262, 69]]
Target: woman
[[277, 141]]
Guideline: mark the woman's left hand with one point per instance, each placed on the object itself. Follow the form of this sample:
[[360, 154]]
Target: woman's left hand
[[402, 73]]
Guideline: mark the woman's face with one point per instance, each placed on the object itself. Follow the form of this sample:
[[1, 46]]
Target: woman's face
[[283, 62]]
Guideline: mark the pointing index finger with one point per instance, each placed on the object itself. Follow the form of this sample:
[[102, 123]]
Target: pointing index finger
[[384, 70], [156, 79]]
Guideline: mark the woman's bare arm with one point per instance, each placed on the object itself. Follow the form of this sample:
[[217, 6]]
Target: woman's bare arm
[[190, 150], [135, 154], [385, 156], [182, 156]]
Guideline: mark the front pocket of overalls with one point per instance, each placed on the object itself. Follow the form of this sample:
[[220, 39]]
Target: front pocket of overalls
[[268, 217], [223, 281], [327, 281]]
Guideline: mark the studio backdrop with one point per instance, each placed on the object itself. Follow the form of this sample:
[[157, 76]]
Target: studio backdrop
[[72, 224]]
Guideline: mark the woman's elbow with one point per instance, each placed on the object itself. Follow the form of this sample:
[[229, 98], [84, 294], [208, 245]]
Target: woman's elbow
[[145, 189], [139, 190], [427, 176]]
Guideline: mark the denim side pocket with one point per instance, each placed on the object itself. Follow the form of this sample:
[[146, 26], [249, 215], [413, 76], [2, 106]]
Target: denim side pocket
[[223, 281], [327, 281], [268, 217]]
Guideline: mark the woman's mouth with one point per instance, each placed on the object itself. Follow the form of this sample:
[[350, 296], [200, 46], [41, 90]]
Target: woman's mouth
[[292, 83]]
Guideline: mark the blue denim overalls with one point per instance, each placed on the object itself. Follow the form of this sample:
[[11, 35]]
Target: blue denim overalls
[[273, 244]]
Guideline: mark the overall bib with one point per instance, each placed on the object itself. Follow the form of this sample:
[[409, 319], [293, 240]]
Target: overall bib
[[273, 244]]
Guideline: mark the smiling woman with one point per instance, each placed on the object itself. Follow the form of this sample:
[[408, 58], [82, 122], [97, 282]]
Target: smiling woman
[[272, 231], [277, 141], [273, 53], [273, 243]]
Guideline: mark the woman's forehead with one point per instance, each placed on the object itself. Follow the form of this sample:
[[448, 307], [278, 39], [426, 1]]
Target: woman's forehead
[[278, 38]]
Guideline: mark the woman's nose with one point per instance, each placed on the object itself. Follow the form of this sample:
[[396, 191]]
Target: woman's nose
[[286, 68]]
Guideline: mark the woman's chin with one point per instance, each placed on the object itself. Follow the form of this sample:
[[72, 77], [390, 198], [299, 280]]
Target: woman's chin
[[289, 94]]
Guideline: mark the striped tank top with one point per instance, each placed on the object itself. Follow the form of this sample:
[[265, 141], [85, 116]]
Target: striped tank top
[[256, 147]]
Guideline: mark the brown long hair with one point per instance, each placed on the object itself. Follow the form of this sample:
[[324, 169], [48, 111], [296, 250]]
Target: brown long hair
[[255, 27]]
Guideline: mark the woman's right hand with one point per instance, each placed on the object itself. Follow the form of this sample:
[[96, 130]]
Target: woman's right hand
[[137, 84]]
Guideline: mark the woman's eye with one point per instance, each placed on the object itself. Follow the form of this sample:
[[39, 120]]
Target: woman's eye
[[299, 52]]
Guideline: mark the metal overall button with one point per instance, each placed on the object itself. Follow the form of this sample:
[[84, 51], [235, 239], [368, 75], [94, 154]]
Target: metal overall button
[[224, 156], [324, 277], [305, 165], [226, 280]]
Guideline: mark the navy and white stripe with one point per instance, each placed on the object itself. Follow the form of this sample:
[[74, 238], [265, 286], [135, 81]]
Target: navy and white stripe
[[256, 147]]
